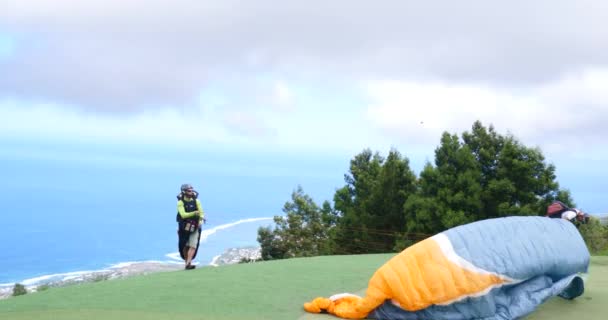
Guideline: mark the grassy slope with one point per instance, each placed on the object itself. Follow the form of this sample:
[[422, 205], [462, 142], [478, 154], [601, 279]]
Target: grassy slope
[[591, 306], [270, 290]]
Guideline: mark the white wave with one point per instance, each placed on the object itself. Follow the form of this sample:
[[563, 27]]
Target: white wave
[[61, 276], [122, 264], [78, 274], [130, 263], [175, 256], [213, 262], [32, 281], [206, 233]]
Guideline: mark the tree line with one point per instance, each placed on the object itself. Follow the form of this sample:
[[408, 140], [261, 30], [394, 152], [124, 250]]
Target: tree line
[[385, 207]]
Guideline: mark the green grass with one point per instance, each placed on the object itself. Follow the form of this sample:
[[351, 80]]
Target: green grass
[[267, 290], [591, 306], [602, 253]]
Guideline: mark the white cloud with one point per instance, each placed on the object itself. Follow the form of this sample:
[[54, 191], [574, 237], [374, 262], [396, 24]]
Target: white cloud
[[563, 115], [131, 55], [567, 113], [314, 129], [583, 89], [163, 126]]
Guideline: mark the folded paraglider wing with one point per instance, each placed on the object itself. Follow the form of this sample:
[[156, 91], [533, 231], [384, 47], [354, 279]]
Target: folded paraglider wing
[[493, 269]]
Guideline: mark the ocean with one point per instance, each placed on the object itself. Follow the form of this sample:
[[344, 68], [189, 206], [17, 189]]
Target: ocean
[[66, 209], [70, 208]]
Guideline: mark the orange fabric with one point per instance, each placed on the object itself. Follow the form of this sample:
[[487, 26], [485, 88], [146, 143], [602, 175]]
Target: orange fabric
[[344, 307], [417, 278], [317, 305], [421, 276]]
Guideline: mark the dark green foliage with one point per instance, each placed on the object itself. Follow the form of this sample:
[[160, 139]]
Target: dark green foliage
[[371, 203], [270, 243], [19, 290], [43, 287], [516, 180], [595, 235], [421, 210], [247, 260], [384, 207], [484, 175], [302, 232], [101, 277]]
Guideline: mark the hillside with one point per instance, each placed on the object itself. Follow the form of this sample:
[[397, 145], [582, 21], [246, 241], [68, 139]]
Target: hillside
[[267, 290]]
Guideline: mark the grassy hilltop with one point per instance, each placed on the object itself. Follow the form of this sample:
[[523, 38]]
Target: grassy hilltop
[[266, 290]]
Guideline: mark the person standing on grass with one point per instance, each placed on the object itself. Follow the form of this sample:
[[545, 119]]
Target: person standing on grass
[[190, 217]]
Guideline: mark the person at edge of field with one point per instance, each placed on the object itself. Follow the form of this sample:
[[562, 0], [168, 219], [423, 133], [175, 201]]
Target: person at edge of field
[[190, 217]]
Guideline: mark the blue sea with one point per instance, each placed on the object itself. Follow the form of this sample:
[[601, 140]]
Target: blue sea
[[68, 208]]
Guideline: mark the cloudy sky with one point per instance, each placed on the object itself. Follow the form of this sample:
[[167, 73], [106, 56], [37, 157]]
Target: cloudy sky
[[311, 76]]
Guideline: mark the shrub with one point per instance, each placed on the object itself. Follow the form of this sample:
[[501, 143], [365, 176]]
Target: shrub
[[43, 287], [247, 260], [595, 235], [19, 290], [101, 277]]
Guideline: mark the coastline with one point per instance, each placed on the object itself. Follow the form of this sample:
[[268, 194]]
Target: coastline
[[124, 270], [121, 270], [231, 255]]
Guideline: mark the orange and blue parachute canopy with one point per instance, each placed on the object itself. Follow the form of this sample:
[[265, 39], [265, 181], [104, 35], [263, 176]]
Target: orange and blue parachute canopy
[[492, 269]]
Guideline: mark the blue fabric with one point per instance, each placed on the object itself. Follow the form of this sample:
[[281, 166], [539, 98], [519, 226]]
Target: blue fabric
[[505, 303], [522, 247], [545, 256]]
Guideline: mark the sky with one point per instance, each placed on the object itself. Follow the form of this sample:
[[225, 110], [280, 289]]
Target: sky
[[324, 79]]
